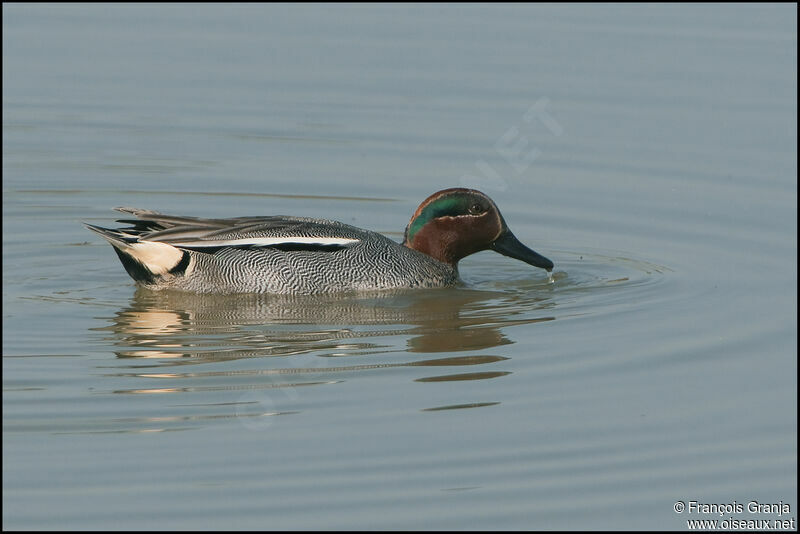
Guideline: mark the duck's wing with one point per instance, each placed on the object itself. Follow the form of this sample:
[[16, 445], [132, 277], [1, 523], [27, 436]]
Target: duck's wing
[[209, 235]]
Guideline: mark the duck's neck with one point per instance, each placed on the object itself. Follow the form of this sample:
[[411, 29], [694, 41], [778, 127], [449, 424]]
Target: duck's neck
[[430, 243], [449, 239]]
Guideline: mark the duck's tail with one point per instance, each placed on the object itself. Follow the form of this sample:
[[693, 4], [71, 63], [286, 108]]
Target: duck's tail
[[145, 261]]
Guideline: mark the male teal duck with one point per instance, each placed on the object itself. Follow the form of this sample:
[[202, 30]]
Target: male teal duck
[[298, 255]]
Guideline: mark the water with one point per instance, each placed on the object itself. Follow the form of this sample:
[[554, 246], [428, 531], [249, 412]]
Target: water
[[649, 151]]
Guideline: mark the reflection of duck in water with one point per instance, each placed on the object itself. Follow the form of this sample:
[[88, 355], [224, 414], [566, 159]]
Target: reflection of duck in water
[[170, 324], [293, 255], [284, 342]]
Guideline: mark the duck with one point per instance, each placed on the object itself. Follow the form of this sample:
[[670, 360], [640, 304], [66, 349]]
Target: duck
[[302, 256]]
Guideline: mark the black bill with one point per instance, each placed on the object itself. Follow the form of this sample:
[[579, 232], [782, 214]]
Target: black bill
[[508, 245]]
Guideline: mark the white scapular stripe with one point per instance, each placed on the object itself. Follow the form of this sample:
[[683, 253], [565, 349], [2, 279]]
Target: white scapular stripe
[[267, 241]]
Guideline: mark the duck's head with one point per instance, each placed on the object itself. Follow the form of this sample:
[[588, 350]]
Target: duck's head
[[454, 223]]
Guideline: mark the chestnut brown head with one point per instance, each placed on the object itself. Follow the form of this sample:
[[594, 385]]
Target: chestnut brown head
[[454, 223]]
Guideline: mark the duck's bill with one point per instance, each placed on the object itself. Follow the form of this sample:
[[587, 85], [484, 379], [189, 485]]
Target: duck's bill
[[508, 245]]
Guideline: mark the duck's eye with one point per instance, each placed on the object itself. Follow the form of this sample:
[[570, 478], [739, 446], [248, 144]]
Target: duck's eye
[[476, 209]]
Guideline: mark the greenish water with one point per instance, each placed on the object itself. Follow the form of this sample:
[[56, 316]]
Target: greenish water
[[649, 151]]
